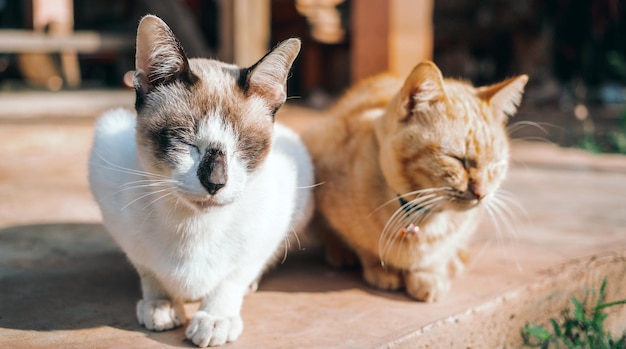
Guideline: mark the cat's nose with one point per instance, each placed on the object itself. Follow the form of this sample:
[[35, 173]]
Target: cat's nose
[[212, 171], [471, 195], [474, 191]]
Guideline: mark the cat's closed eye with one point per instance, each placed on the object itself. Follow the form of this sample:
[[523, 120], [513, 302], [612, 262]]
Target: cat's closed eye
[[462, 160], [191, 148]]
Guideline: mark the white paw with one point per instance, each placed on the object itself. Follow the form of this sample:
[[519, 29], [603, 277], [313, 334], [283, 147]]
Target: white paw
[[209, 330], [159, 315], [427, 287]]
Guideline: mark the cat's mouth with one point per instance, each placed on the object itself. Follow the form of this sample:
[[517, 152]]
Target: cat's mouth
[[205, 203], [463, 204], [202, 204]]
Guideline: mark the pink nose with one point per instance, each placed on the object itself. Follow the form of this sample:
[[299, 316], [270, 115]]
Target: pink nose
[[474, 191], [473, 195]]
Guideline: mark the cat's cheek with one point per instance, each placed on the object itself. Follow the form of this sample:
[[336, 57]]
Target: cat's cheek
[[238, 179]]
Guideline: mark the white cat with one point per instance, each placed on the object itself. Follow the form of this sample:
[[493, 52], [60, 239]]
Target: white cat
[[201, 187]]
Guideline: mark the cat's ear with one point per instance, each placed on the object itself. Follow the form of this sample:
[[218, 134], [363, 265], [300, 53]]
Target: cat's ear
[[421, 89], [160, 58], [268, 77], [504, 97]]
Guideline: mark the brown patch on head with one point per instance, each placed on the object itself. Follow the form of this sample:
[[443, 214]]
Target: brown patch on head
[[249, 119], [254, 142]]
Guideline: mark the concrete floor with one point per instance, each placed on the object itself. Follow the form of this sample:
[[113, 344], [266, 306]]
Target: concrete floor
[[64, 284]]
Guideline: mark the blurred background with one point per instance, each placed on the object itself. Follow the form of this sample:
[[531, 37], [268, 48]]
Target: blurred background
[[573, 50]]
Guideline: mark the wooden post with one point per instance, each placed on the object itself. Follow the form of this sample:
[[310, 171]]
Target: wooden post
[[390, 36], [370, 38], [244, 30]]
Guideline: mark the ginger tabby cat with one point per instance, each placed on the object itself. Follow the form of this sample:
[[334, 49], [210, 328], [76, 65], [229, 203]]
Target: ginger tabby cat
[[404, 169]]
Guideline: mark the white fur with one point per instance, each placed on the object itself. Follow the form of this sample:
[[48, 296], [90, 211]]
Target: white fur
[[184, 254]]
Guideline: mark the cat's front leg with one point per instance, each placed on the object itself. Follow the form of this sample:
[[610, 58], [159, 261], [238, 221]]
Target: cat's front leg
[[218, 319], [157, 311], [427, 286], [379, 276]]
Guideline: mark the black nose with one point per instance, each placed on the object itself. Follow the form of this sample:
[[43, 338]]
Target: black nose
[[212, 171]]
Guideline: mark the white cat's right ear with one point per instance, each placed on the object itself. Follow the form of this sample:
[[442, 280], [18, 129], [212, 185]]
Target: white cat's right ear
[[160, 58], [268, 77], [421, 89]]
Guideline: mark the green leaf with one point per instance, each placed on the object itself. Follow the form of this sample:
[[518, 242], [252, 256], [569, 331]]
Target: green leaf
[[556, 328], [610, 304], [538, 332], [579, 311]]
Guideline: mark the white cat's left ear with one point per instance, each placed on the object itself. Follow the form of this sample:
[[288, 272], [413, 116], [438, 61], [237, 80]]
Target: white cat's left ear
[[160, 59], [505, 96], [268, 77]]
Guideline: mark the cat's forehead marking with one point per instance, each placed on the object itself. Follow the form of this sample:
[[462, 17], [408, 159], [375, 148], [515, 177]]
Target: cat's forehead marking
[[213, 131]]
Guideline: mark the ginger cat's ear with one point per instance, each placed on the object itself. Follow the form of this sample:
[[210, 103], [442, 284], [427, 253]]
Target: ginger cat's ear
[[268, 77], [504, 97], [421, 89], [160, 58]]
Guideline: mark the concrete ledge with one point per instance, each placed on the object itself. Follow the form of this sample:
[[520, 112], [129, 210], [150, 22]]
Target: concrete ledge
[[498, 322]]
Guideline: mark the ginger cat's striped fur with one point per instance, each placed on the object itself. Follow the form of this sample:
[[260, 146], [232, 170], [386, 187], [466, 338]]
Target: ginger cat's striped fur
[[404, 168]]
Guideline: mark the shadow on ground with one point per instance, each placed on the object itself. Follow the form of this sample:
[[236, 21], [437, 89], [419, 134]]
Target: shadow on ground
[[64, 276], [72, 276]]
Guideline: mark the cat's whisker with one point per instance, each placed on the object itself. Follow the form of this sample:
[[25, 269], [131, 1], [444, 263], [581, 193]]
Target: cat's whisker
[[532, 138], [500, 212], [148, 181], [401, 223], [416, 192], [511, 201], [422, 191], [391, 224], [496, 223], [541, 126], [151, 185], [157, 199], [505, 215], [122, 169], [286, 245], [130, 171], [146, 219], [422, 207], [311, 186], [519, 125], [143, 196]]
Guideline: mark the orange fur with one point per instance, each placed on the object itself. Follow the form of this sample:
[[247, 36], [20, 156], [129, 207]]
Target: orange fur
[[389, 137]]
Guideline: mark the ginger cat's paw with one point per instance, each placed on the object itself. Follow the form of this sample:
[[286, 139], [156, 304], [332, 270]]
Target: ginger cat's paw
[[383, 278], [427, 287], [210, 330], [160, 314]]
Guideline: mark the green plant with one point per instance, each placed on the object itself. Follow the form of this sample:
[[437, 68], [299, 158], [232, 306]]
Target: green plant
[[579, 328], [618, 138], [613, 141]]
